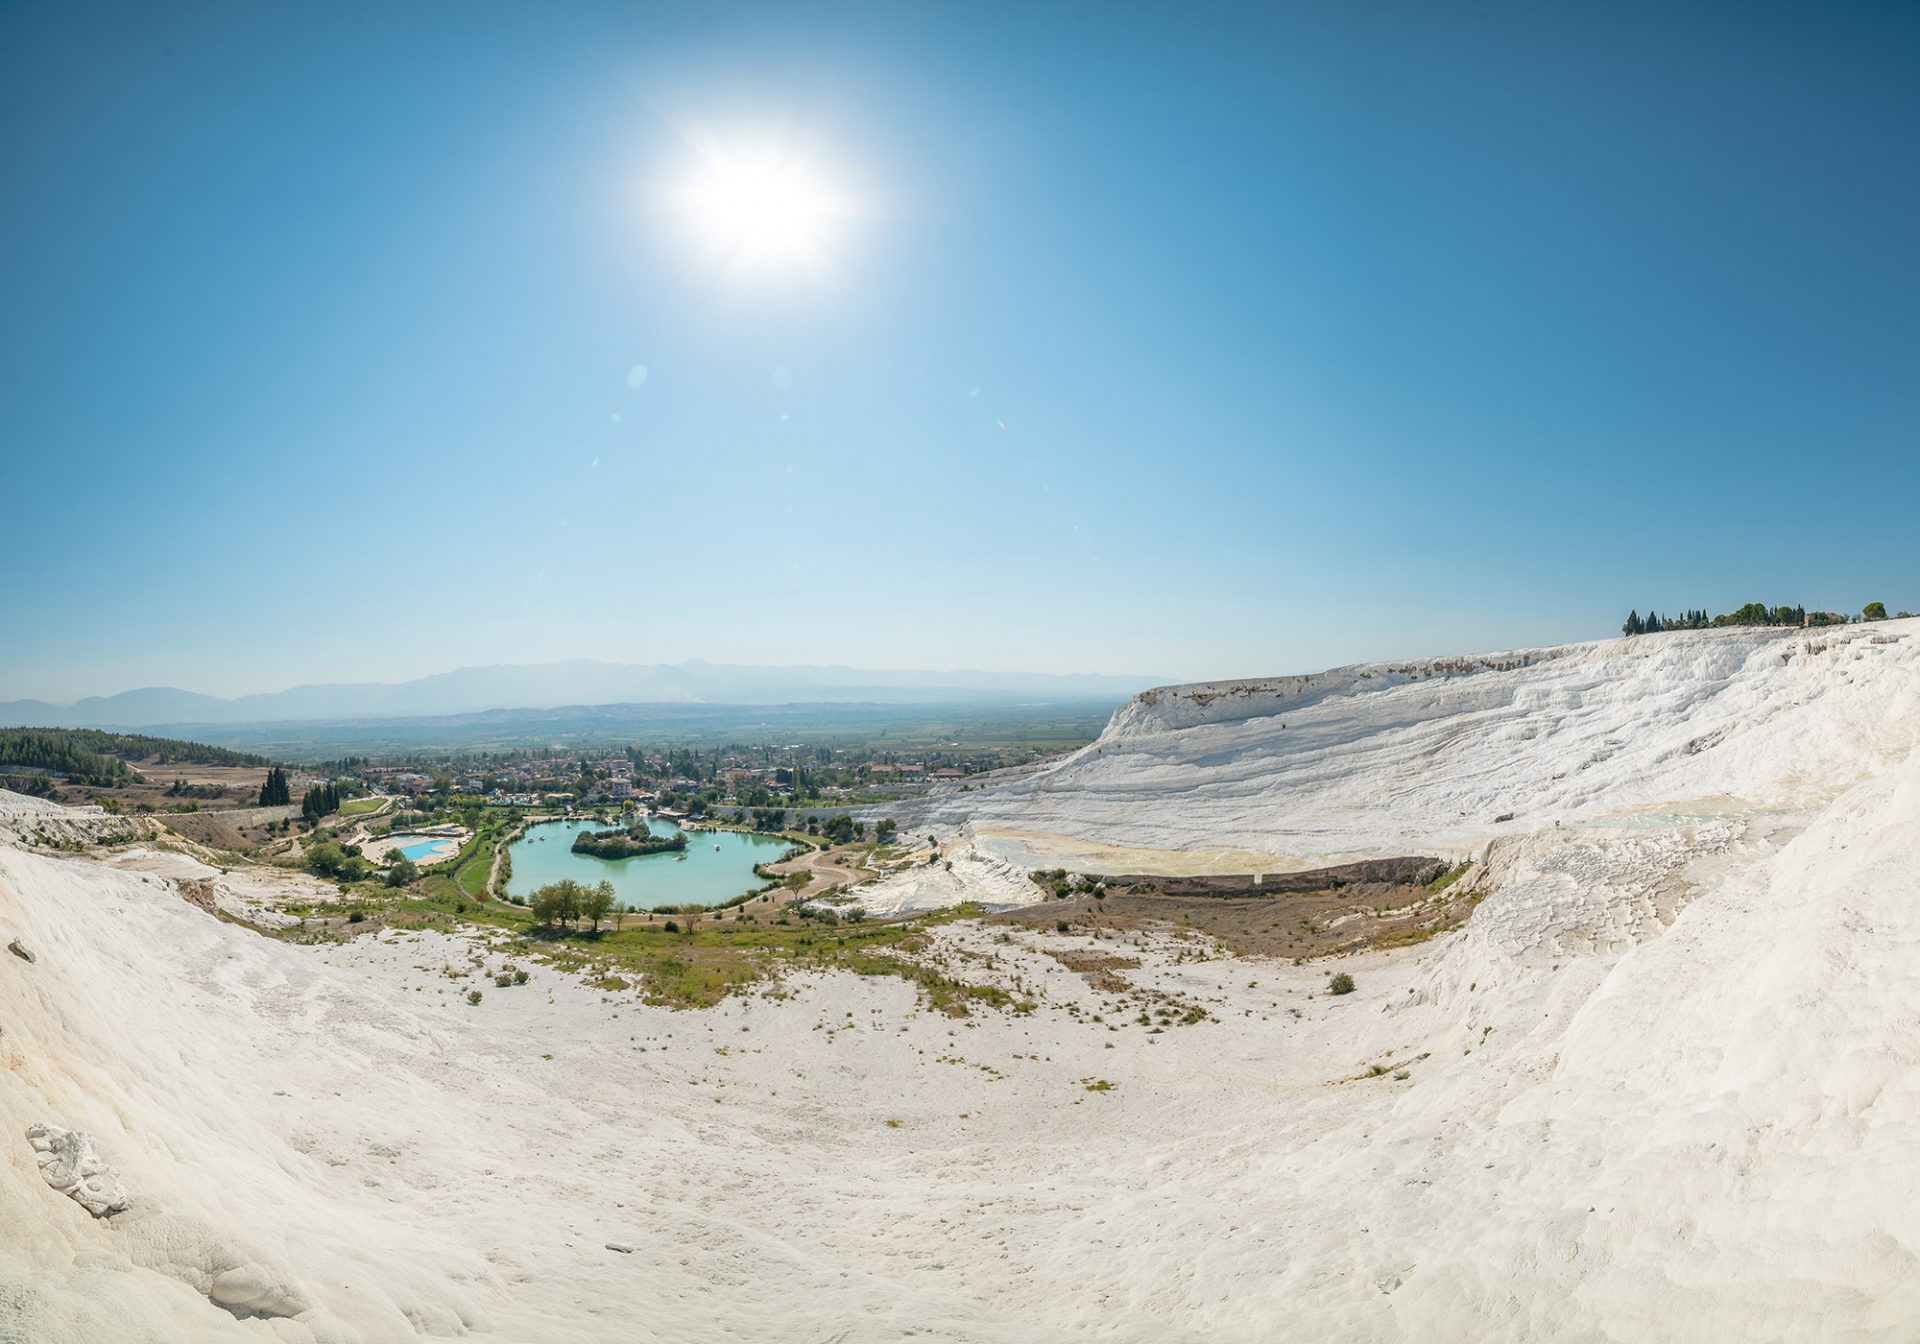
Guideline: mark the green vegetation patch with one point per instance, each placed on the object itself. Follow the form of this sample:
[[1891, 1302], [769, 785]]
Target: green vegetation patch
[[688, 962], [627, 844], [93, 757]]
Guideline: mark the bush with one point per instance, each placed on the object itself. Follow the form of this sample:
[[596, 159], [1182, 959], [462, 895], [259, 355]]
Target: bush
[[356, 916], [672, 927], [327, 859], [1061, 926], [519, 977], [1340, 984], [402, 873], [473, 996], [502, 980]]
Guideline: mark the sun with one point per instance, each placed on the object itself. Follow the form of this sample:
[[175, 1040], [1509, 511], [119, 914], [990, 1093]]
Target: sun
[[765, 210]]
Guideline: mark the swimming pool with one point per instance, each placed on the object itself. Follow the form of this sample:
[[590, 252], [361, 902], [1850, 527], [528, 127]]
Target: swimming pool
[[427, 848]]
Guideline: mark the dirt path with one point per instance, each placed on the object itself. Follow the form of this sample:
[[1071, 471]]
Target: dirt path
[[825, 869]]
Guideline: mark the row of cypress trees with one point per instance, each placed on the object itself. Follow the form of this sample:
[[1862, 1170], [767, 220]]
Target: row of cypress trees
[[274, 792], [1655, 622], [320, 800]]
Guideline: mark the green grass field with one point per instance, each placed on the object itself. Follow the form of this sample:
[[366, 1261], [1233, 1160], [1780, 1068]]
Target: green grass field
[[697, 962]]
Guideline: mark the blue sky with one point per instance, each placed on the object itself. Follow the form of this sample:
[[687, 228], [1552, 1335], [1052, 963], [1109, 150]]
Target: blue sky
[[1196, 342]]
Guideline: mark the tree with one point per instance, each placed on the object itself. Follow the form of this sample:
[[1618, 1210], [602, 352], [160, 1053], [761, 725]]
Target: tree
[[1874, 611], [327, 859], [402, 873], [274, 791], [1633, 626], [596, 904], [557, 903], [883, 830]]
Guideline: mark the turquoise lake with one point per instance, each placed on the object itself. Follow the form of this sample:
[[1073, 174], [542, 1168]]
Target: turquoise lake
[[714, 867]]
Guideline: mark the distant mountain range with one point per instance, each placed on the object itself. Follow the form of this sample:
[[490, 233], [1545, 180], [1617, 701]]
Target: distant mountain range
[[471, 690]]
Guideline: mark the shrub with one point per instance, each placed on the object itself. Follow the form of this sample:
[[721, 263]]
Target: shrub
[[329, 860], [503, 979], [356, 916], [1340, 984], [473, 996], [519, 977], [672, 926], [1061, 926]]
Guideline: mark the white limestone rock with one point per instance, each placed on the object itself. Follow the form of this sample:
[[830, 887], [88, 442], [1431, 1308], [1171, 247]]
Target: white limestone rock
[[71, 1164]]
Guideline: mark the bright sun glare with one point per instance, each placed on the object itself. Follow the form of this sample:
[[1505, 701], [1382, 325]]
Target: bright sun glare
[[762, 211]]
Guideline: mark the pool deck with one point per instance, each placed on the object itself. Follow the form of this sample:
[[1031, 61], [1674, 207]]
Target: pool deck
[[448, 841]]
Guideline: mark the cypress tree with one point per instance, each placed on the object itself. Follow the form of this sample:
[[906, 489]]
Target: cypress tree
[[274, 791]]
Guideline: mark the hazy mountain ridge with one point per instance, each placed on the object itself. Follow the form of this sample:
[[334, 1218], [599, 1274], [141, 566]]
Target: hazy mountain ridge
[[473, 690]]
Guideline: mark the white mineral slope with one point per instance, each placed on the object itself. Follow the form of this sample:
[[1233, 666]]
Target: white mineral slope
[[1423, 756], [957, 874], [1663, 1086]]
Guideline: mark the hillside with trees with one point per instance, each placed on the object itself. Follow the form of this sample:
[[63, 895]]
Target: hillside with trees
[[91, 757], [59, 753]]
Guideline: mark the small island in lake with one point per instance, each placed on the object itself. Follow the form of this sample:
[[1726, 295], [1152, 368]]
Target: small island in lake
[[626, 844]]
